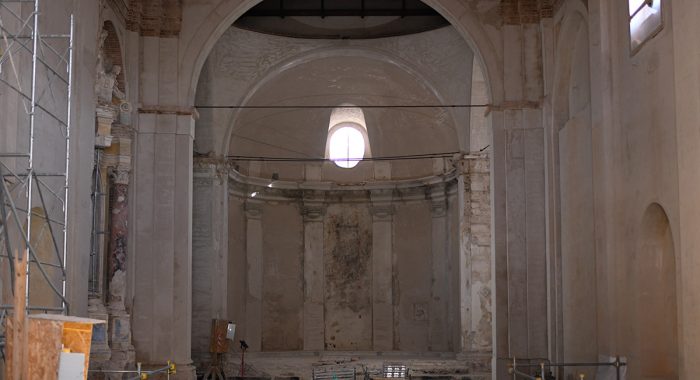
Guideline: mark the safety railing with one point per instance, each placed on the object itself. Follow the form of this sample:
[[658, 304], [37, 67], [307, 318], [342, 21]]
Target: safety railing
[[516, 369], [141, 374]]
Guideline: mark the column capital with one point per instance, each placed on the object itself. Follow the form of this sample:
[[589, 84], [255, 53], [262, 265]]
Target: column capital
[[253, 209], [382, 211], [313, 212], [120, 174], [313, 207], [210, 168], [382, 207], [438, 200]]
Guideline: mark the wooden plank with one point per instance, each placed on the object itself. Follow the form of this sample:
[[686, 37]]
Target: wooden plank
[[44, 348], [77, 336], [218, 342], [16, 349], [74, 335]]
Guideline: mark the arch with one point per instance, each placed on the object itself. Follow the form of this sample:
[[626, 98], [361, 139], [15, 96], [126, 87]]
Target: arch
[[649, 318], [321, 53], [196, 47], [215, 23], [574, 19]]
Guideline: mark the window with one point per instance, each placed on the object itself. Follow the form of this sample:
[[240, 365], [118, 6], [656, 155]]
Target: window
[[645, 21], [347, 142]]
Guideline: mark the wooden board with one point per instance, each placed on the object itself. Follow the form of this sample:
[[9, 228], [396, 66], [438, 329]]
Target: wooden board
[[218, 343], [75, 333], [16, 349], [77, 337], [44, 348]]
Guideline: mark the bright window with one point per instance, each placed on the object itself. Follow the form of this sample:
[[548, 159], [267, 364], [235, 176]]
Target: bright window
[[346, 146], [645, 21], [347, 142]]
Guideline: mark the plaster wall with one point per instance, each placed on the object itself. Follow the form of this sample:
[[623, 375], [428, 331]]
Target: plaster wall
[[631, 155], [348, 278], [687, 88]]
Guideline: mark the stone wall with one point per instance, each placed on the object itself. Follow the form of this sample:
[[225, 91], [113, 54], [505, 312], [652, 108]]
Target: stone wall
[[396, 271]]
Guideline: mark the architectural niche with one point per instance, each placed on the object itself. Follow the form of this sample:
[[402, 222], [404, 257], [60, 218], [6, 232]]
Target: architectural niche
[[113, 143]]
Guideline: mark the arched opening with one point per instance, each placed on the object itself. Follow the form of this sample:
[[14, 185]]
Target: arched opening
[[648, 311], [110, 191], [322, 260]]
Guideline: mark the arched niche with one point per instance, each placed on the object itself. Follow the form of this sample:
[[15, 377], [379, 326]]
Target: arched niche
[[432, 318], [113, 53], [648, 304]]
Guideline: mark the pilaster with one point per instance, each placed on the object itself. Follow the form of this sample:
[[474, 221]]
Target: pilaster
[[162, 305], [382, 211], [209, 251], [438, 334], [313, 211], [254, 258]]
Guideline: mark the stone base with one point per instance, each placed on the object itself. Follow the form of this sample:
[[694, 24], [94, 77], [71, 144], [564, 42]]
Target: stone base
[[120, 331], [99, 350]]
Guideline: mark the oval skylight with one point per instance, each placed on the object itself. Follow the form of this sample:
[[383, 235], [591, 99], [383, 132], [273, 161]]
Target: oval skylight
[[346, 147]]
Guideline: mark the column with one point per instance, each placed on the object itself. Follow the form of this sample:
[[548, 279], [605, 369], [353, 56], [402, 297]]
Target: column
[[209, 251], [478, 196], [313, 212], [438, 330], [162, 197], [119, 319], [382, 271], [254, 258]]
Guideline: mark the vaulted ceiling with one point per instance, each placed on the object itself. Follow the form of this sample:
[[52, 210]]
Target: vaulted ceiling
[[163, 18]]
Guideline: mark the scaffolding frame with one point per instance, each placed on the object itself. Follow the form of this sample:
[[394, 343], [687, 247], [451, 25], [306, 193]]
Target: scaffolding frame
[[34, 184]]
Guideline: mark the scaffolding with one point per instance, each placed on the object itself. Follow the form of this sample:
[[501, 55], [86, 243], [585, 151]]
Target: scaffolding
[[36, 66]]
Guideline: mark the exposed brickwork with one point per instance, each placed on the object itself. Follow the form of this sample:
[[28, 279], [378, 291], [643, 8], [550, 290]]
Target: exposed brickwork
[[547, 8], [156, 18], [113, 52], [172, 18], [120, 8], [516, 12], [133, 21]]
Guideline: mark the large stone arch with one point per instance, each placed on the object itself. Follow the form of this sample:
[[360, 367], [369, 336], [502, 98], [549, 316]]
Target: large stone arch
[[199, 43], [465, 21], [164, 176]]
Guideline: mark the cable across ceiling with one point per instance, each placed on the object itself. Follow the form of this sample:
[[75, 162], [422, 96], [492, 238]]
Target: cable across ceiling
[[287, 107]]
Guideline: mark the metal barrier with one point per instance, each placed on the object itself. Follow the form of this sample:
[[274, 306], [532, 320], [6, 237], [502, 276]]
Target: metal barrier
[[342, 373], [140, 373], [395, 370], [545, 364]]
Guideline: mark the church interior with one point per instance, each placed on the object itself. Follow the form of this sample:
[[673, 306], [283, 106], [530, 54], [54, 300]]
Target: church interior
[[349, 189]]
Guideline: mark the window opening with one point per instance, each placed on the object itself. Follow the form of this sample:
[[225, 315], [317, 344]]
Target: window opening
[[347, 142], [645, 21]]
